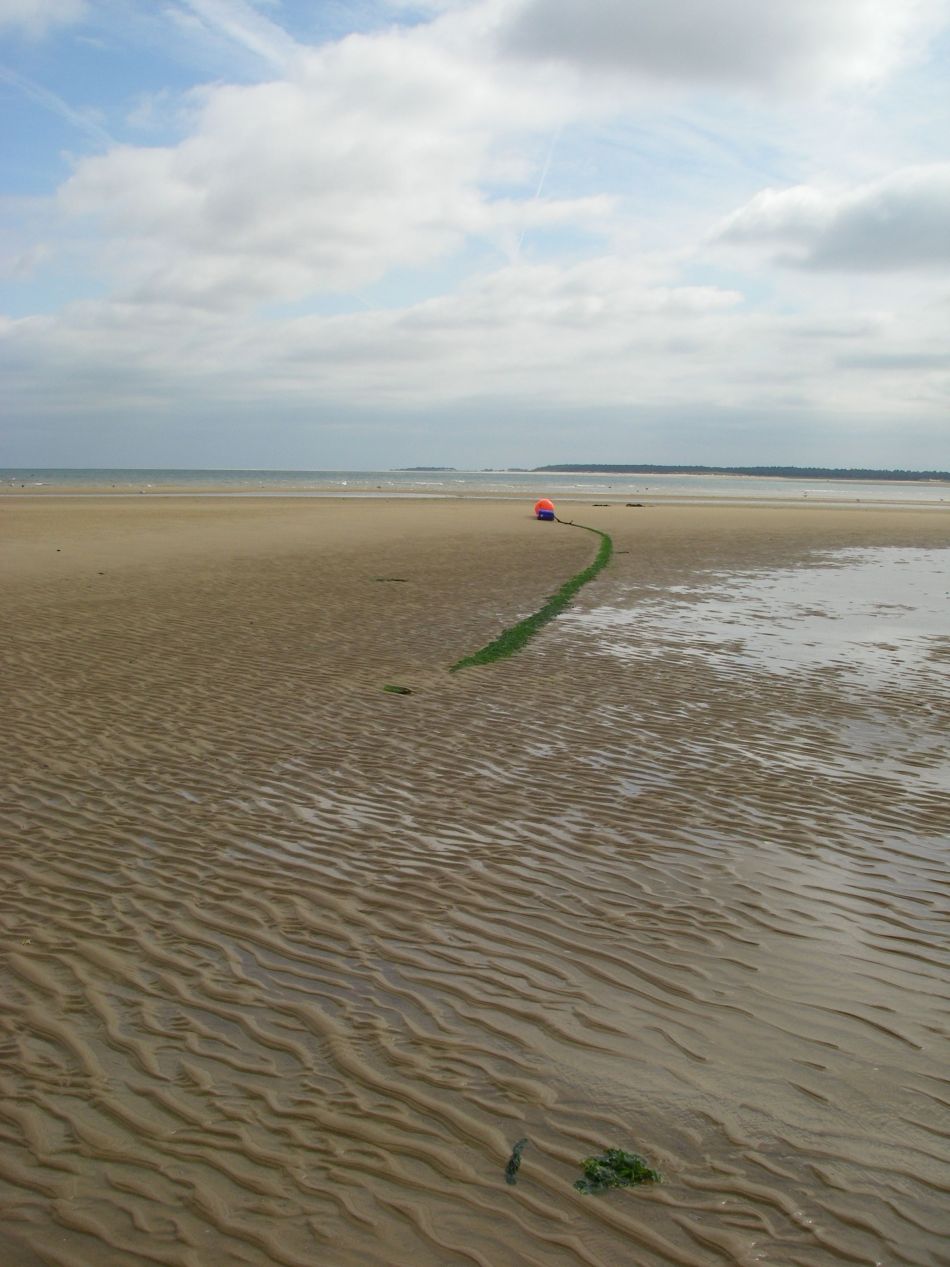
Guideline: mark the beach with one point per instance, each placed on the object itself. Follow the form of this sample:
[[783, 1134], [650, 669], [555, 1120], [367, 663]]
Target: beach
[[291, 961]]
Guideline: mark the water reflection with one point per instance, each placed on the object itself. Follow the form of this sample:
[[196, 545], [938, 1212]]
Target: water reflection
[[872, 614]]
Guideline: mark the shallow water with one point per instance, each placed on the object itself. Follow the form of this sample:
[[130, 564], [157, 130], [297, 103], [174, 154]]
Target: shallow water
[[572, 486], [873, 615], [293, 963]]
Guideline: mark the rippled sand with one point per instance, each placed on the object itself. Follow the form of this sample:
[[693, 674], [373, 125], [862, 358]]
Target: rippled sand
[[291, 963]]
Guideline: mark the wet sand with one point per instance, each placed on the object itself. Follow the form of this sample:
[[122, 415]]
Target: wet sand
[[290, 963]]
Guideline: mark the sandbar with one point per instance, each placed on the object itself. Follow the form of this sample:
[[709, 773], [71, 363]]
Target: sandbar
[[290, 962]]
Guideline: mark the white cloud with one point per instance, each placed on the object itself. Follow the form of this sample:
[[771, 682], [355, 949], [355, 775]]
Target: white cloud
[[36, 17], [899, 222], [376, 153], [763, 43], [465, 193], [23, 264], [603, 333], [599, 332], [604, 339]]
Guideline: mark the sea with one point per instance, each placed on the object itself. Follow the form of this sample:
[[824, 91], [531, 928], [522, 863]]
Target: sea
[[480, 483]]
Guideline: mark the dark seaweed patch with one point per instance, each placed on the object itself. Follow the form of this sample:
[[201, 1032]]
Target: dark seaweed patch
[[614, 1168], [514, 1162]]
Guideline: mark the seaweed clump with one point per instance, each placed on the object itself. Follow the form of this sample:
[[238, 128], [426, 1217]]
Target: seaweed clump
[[614, 1168], [514, 1162]]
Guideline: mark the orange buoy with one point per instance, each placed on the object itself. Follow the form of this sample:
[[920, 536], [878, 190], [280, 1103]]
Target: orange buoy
[[544, 509]]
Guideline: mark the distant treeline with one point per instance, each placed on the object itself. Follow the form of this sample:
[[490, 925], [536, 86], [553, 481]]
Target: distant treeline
[[776, 472]]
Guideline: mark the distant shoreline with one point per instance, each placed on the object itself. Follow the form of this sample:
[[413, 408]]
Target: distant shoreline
[[757, 472]]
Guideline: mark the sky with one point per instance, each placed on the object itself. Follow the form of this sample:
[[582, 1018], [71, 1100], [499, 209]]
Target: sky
[[310, 234]]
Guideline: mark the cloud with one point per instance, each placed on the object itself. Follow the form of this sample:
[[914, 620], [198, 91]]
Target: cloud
[[336, 229], [607, 345], [901, 222], [22, 264], [36, 17], [598, 331], [759, 43], [910, 362], [377, 152]]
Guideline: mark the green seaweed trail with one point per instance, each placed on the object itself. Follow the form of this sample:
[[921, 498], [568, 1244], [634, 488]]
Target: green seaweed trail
[[513, 639]]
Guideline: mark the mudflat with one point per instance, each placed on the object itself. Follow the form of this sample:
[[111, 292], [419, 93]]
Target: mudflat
[[291, 962]]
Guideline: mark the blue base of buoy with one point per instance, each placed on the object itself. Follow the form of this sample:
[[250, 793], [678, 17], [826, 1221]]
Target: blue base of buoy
[[545, 514]]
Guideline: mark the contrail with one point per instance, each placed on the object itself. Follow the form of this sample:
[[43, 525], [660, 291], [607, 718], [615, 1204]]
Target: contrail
[[547, 162], [56, 105], [245, 26], [542, 178]]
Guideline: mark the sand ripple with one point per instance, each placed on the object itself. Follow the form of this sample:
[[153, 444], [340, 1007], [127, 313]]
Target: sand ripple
[[292, 963]]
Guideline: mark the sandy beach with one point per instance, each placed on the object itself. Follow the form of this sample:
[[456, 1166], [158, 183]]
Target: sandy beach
[[291, 962]]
